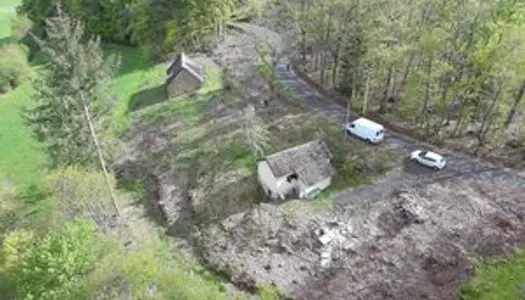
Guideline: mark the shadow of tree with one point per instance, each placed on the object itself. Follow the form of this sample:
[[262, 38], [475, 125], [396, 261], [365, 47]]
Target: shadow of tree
[[173, 141], [147, 97], [6, 40], [132, 58], [237, 196], [233, 198], [192, 111]]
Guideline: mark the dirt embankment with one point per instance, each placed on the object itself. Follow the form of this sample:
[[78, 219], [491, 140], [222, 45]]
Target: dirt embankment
[[414, 244]]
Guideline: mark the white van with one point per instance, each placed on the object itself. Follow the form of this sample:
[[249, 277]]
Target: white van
[[367, 130]]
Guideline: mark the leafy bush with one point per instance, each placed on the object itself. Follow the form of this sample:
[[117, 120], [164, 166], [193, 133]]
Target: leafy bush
[[22, 30], [151, 272], [50, 267], [20, 27], [14, 67], [8, 207], [268, 292], [79, 193]]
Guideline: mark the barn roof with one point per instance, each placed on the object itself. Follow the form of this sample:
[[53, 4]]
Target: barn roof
[[183, 62], [310, 161]]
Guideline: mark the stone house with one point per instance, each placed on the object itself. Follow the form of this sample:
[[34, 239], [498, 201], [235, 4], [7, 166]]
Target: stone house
[[184, 76], [302, 171]]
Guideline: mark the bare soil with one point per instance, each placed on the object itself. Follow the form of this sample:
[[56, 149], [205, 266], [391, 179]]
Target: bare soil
[[409, 244], [392, 242]]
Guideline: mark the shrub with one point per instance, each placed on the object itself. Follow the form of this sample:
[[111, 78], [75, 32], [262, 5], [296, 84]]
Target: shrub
[[8, 206], [20, 27], [14, 67], [51, 267], [268, 292], [79, 193]]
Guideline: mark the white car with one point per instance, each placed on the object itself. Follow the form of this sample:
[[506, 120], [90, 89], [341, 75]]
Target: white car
[[429, 159]]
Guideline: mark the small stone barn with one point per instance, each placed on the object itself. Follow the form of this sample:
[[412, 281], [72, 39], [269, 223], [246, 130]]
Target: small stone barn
[[184, 76], [299, 172]]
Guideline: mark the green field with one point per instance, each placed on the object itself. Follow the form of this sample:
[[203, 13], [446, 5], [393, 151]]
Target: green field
[[7, 10], [21, 159], [498, 280]]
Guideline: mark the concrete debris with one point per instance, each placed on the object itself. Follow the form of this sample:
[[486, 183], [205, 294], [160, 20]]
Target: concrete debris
[[412, 245], [334, 238]]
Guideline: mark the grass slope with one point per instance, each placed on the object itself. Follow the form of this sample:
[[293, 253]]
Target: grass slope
[[7, 10], [498, 280], [20, 159]]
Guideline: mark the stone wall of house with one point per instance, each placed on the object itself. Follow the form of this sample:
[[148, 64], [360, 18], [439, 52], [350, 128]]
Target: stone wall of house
[[183, 83]]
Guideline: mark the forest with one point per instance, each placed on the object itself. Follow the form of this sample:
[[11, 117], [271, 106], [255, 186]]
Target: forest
[[451, 72], [454, 70], [67, 229]]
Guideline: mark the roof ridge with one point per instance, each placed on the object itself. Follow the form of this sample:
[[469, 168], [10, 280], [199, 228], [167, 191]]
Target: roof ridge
[[185, 63], [293, 148]]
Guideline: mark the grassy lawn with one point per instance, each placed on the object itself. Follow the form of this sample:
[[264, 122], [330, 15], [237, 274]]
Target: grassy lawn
[[498, 280], [21, 159], [7, 10], [151, 104], [135, 73]]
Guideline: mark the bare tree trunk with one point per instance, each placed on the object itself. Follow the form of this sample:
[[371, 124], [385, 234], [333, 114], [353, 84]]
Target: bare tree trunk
[[367, 86], [404, 80], [386, 91], [323, 67], [426, 99], [303, 45], [487, 121], [517, 101], [424, 20], [101, 159], [335, 70]]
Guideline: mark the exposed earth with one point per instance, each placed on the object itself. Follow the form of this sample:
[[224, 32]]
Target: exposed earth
[[412, 243], [411, 235]]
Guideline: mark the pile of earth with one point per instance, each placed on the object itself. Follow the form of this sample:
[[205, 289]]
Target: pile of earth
[[413, 244]]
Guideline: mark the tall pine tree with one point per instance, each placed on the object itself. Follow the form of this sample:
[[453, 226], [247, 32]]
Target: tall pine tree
[[72, 95], [75, 78]]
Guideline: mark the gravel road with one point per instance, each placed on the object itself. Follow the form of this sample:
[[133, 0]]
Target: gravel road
[[412, 175]]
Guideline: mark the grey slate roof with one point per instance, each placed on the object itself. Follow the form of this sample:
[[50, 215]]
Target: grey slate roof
[[310, 161], [183, 62]]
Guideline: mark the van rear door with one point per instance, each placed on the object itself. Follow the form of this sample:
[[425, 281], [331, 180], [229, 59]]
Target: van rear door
[[380, 134]]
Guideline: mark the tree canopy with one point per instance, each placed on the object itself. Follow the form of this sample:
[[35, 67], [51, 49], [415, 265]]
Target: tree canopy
[[159, 27]]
